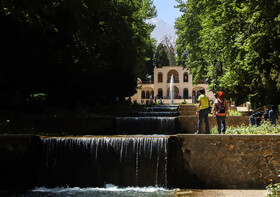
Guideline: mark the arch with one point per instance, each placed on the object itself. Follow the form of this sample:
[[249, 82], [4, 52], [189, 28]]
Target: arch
[[160, 77], [175, 75], [186, 77], [176, 92], [160, 93], [147, 94], [196, 93], [186, 93], [143, 94]]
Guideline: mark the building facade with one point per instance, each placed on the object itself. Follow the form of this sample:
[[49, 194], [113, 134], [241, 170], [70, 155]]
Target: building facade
[[183, 88]]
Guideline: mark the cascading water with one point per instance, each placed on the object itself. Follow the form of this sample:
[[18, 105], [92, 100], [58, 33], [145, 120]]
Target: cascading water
[[146, 125], [84, 166], [156, 120], [96, 161], [171, 90]]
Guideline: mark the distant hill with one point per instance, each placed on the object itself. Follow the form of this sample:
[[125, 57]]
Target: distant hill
[[162, 29]]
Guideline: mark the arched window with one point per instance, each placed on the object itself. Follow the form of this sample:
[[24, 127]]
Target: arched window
[[160, 93], [160, 77], [147, 94], [143, 94], [186, 77], [175, 76], [186, 93]]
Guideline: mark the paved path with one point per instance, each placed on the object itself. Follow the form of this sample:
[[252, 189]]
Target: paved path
[[221, 193]]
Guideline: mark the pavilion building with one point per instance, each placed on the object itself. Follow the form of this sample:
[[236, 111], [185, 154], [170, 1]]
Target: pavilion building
[[183, 88]]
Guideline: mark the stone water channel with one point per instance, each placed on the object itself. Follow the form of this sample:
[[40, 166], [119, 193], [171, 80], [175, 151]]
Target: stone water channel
[[156, 120], [141, 159], [159, 162]]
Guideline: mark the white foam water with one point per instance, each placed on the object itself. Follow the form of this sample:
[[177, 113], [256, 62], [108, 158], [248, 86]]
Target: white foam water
[[108, 191]]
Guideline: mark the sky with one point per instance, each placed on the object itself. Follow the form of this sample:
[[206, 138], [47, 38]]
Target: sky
[[166, 10]]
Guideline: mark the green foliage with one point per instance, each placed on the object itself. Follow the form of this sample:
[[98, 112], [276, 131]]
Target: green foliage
[[161, 56], [274, 189], [234, 45], [73, 51], [234, 113], [148, 65], [263, 129]]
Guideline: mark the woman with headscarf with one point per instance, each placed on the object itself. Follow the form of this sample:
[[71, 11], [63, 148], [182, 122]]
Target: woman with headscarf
[[220, 109]]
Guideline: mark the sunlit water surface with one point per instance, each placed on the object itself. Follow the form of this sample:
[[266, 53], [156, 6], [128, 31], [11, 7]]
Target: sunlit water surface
[[109, 191]]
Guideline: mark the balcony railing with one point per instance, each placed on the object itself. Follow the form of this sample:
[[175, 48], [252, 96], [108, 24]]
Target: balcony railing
[[147, 82]]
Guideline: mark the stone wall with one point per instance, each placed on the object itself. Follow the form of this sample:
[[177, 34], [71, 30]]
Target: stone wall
[[18, 155], [188, 120], [231, 161], [60, 125], [188, 124], [194, 161]]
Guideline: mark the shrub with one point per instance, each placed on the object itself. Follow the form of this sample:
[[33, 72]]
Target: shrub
[[263, 129], [274, 189], [234, 113]]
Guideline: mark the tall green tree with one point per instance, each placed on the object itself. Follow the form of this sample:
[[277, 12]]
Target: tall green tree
[[161, 56], [73, 51], [233, 44], [170, 48], [148, 65]]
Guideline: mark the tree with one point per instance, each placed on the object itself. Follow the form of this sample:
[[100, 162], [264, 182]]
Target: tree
[[170, 50], [148, 65], [234, 44], [161, 56], [73, 51]]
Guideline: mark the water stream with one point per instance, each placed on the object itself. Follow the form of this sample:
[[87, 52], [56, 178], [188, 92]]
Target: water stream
[[156, 120], [96, 161], [171, 90], [108, 191], [128, 165]]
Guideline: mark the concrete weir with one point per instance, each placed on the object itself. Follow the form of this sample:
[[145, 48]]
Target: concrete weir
[[178, 161]]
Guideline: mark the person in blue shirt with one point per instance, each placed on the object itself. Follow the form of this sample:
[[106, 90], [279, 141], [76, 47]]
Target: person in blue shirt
[[273, 115], [252, 119]]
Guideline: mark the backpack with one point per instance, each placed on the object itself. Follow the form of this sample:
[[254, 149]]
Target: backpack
[[221, 107]]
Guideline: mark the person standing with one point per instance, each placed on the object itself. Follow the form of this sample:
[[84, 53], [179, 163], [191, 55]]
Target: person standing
[[273, 115], [202, 111], [220, 109], [266, 111]]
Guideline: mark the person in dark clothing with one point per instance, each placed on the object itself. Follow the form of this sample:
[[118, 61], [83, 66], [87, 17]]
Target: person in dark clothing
[[252, 119], [258, 117], [266, 111], [273, 115]]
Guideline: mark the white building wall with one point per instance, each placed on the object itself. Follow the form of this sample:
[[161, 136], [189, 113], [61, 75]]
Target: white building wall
[[164, 85]]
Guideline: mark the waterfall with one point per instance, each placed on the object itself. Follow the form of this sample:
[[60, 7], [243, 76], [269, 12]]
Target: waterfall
[[156, 120], [96, 161], [147, 125], [171, 90], [158, 114]]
